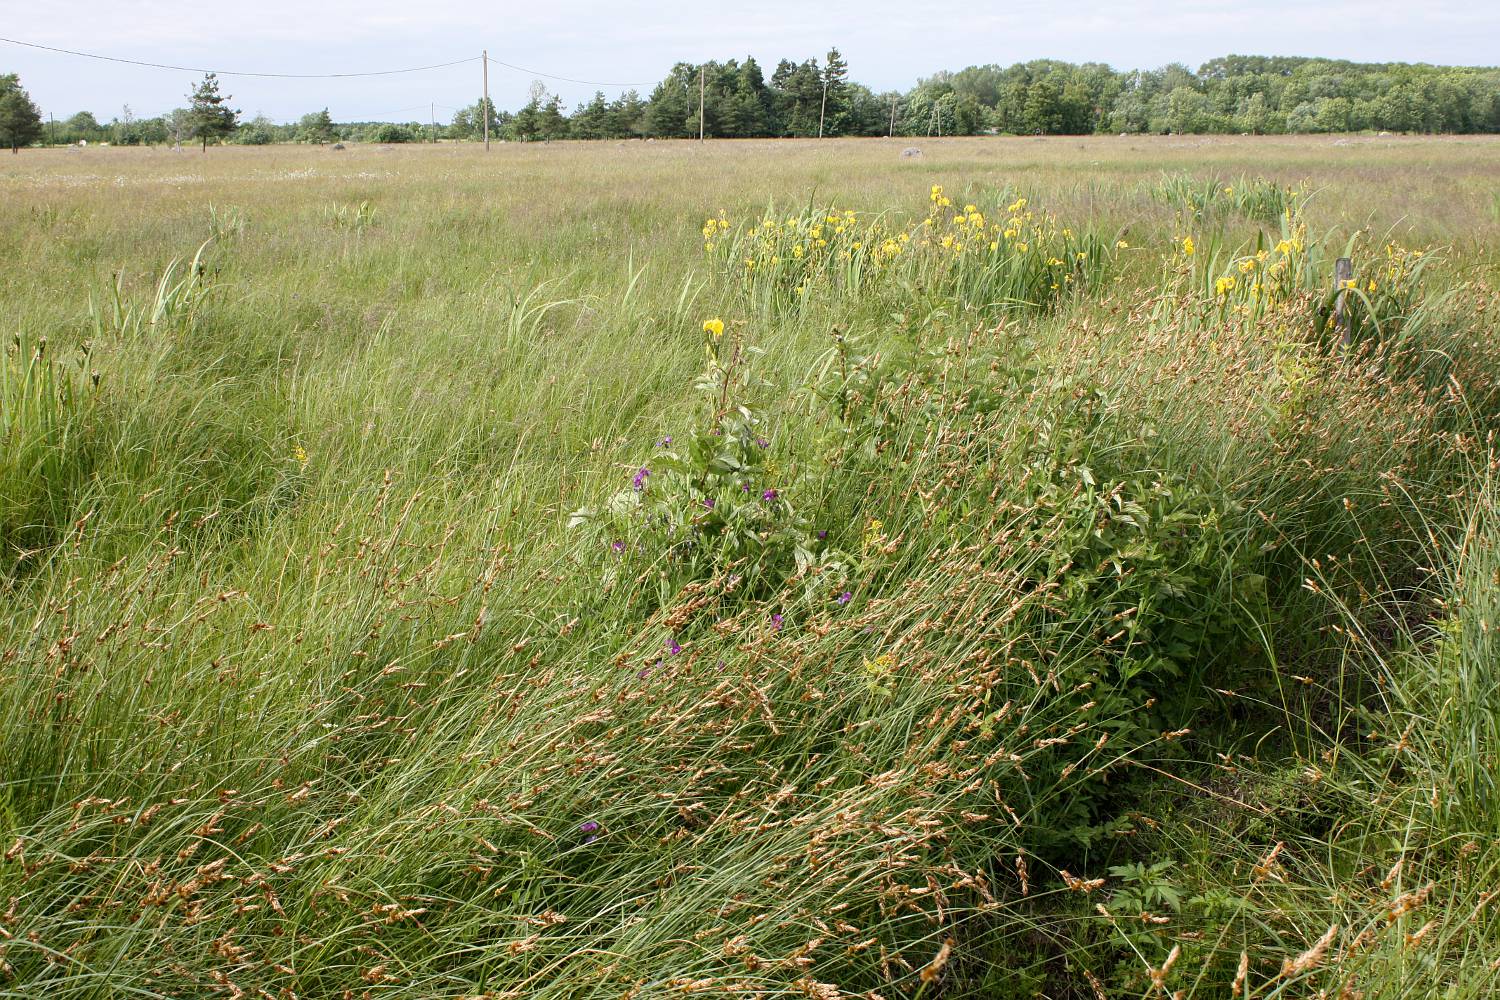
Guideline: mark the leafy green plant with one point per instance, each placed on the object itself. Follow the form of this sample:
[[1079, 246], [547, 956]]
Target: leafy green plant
[[225, 223], [354, 218], [175, 299], [715, 502]]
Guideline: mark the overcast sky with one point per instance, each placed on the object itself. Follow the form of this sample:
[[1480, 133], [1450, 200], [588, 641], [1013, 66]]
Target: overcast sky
[[888, 45]]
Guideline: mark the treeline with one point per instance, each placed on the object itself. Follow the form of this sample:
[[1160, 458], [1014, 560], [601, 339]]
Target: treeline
[[1233, 94]]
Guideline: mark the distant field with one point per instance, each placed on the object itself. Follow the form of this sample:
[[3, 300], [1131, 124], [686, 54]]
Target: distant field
[[753, 568]]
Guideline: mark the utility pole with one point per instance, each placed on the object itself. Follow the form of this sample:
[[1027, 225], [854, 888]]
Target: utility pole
[[433, 110], [485, 108], [823, 109], [701, 88], [53, 122], [892, 132]]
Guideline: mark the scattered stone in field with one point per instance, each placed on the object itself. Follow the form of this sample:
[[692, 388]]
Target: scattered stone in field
[[337, 147], [911, 153]]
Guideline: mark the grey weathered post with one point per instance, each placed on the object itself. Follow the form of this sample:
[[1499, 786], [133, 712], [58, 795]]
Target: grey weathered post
[[1343, 273]]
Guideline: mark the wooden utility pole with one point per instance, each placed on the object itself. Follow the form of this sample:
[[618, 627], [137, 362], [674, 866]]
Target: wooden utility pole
[[433, 110], [701, 87], [823, 110], [1343, 275], [892, 132], [485, 110]]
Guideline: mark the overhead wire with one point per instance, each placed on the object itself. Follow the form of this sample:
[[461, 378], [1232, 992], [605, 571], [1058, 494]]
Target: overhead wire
[[315, 76]]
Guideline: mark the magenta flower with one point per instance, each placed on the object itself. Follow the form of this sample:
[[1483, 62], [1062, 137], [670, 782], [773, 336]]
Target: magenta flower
[[673, 647], [768, 496], [776, 623], [618, 546], [708, 503], [844, 598], [640, 479]]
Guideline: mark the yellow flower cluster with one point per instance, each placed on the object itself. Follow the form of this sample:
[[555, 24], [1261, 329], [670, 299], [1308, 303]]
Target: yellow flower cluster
[[712, 228], [1289, 270], [1015, 256]]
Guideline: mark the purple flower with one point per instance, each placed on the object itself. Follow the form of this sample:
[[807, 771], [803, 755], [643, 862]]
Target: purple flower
[[666, 442], [744, 487], [588, 826], [618, 546], [673, 647], [708, 503], [776, 623], [844, 598], [768, 496], [822, 534], [640, 479], [763, 442]]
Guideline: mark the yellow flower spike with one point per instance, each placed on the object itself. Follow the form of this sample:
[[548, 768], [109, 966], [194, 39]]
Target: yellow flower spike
[[1121, 245], [1187, 245], [715, 327], [994, 245], [300, 454]]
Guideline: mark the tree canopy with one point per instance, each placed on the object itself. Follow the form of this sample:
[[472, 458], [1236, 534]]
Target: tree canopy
[[20, 121], [743, 99], [210, 115]]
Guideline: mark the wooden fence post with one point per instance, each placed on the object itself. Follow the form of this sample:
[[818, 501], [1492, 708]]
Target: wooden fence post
[[1343, 274]]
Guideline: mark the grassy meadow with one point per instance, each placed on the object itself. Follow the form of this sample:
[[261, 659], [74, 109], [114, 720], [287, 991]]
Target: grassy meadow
[[752, 569]]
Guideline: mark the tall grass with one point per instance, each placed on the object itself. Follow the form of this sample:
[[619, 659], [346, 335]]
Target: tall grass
[[533, 601]]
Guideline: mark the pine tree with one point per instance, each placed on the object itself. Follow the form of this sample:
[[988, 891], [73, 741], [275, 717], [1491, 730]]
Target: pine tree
[[210, 113], [316, 127], [835, 82], [20, 121]]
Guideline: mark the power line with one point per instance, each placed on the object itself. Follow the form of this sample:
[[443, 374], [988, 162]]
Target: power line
[[228, 72], [319, 76], [568, 79]]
